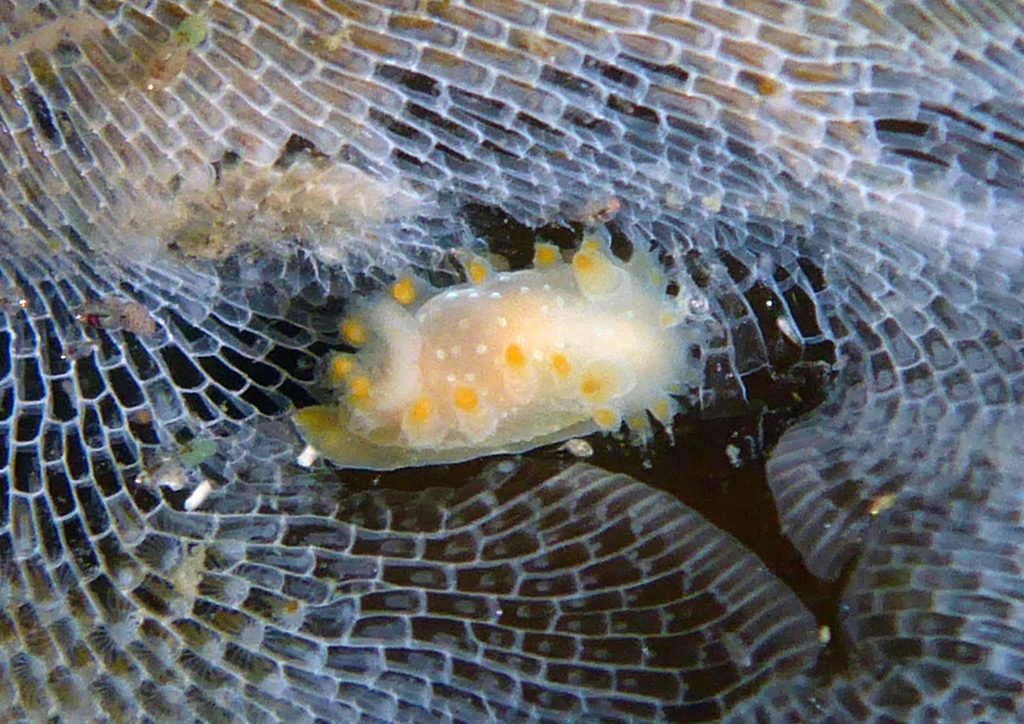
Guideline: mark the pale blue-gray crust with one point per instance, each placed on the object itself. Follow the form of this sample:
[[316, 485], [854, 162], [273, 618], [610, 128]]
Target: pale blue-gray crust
[[859, 165]]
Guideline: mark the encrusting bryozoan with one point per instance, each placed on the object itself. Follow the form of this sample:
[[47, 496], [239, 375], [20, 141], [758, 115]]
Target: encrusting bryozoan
[[509, 361]]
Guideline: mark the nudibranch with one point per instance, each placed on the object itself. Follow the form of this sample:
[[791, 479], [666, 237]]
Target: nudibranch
[[509, 361]]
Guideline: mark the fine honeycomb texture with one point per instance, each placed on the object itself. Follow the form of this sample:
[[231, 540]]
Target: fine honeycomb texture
[[182, 222]]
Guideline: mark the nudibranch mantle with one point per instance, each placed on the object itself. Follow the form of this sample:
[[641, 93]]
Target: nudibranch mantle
[[509, 361]]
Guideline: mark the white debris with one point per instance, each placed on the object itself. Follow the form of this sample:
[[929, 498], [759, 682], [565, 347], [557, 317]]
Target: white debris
[[199, 495], [712, 202], [307, 457], [787, 330], [824, 635], [168, 474], [882, 503], [739, 652], [577, 447]]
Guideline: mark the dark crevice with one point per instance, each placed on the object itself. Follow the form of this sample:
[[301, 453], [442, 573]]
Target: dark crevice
[[901, 126]]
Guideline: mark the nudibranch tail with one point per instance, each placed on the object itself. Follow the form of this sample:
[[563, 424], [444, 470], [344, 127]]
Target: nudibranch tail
[[508, 361]]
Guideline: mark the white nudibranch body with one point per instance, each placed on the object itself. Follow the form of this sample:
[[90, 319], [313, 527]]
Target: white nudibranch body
[[508, 361]]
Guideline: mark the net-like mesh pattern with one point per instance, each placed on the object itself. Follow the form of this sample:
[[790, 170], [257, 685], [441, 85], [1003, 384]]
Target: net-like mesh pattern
[[525, 594], [937, 591], [844, 179]]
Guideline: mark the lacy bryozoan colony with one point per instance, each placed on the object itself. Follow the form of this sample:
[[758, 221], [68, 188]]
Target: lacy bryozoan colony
[[192, 194]]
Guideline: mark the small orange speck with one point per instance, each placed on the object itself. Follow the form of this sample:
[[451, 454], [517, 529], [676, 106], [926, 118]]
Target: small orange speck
[[590, 386], [360, 387], [422, 409], [606, 419], [466, 399], [292, 606], [477, 272], [341, 366], [514, 356], [353, 332], [768, 86], [404, 291], [561, 364], [584, 262], [545, 255]]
